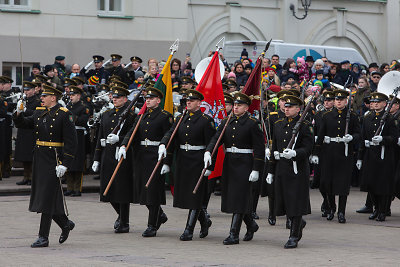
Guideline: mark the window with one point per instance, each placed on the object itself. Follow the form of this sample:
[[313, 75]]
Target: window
[[14, 71], [110, 7], [15, 4]]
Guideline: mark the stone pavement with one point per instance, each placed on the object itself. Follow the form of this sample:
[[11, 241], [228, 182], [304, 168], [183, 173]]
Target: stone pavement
[[359, 242]]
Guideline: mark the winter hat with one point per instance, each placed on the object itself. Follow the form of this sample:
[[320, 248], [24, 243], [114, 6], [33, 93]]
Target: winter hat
[[318, 72], [244, 53], [139, 74], [301, 59], [319, 62], [231, 75], [48, 68], [319, 83]]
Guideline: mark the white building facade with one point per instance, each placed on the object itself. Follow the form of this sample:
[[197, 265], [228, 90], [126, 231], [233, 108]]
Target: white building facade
[[79, 29]]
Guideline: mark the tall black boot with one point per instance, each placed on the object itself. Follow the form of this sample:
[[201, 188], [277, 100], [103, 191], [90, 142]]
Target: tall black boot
[[233, 237], [256, 195], [296, 232], [342, 209], [124, 218], [288, 222], [368, 207], [190, 224], [205, 223], [324, 205], [332, 207], [162, 217], [375, 203], [116, 208], [152, 221], [382, 205], [271, 212], [251, 225], [44, 230]]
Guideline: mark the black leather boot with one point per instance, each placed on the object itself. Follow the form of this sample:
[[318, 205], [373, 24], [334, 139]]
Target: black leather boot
[[294, 232], [252, 227], [162, 218], [373, 215], [271, 213], [116, 208], [190, 224], [41, 242], [205, 223], [342, 209], [151, 230], [233, 237], [288, 223], [382, 200], [123, 226], [65, 231]]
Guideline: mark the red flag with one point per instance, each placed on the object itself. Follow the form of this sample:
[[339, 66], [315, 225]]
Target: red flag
[[252, 87], [213, 104]]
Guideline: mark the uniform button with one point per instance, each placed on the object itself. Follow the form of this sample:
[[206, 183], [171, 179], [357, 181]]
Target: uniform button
[[374, 124], [38, 118], [49, 146], [115, 114], [112, 121], [338, 122], [145, 131], [340, 116], [288, 125], [54, 119], [189, 119], [147, 122], [235, 121], [233, 144], [338, 128], [284, 140], [51, 126], [37, 132], [51, 133], [56, 113], [186, 134], [187, 126], [233, 128], [286, 132], [233, 136]]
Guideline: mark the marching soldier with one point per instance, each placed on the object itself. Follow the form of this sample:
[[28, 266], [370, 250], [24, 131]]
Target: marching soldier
[[98, 71], [290, 169], [154, 124], [120, 193], [243, 163], [3, 116], [376, 157], [329, 98], [25, 141], [194, 133], [55, 148], [337, 146], [80, 114]]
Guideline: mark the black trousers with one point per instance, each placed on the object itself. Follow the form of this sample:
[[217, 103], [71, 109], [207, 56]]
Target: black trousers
[[45, 223]]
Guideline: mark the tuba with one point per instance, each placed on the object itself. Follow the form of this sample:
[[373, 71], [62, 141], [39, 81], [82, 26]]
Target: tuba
[[389, 82]]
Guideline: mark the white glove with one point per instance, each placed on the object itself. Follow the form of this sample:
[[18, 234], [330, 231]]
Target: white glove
[[289, 153], [314, 159], [103, 142], [276, 155], [207, 159], [89, 64], [366, 142], [398, 142], [60, 170], [315, 138], [377, 139], [137, 110], [359, 164], [327, 139], [254, 176], [112, 138], [270, 178], [21, 106], [162, 152], [267, 153], [348, 138], [165, 169], [207, 173], [95, 166], [121, 153]]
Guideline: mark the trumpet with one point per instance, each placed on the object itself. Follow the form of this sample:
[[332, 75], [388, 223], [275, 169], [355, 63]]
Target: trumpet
[[127, 65], [14, 96], [103, 96], [105, 63]]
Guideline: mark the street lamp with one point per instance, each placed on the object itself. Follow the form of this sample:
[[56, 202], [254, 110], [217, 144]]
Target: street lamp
[[306, 4]]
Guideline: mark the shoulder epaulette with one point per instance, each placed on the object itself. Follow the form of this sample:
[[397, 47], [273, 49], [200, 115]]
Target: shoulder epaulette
[[40, 108], [166, 112], [273, 113], [64, 109], [279, 120], [326, 112], [253, 119]]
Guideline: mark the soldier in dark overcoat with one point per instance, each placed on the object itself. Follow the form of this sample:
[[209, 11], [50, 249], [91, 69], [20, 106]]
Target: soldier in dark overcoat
[[105, 159], [194, 133], [243, 162], [290, 168], [54, 152]]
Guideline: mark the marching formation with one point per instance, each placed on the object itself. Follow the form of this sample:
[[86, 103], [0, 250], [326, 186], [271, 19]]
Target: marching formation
[[283, 129]]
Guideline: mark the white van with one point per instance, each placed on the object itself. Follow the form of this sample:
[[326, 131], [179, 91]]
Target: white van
[[233, 49]]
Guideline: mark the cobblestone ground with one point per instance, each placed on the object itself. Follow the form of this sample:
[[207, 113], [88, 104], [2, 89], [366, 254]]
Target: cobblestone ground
[[359, 242]]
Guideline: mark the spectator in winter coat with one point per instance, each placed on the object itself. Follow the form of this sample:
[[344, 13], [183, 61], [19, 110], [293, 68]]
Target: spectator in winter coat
[[301, 70], [241, 76]]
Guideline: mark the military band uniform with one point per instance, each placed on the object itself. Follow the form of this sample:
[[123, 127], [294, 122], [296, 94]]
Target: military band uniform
[[8, 133], [120, 193], [189, 143], [336, 181], [74, 175], [100, 73], [55, 138], [3, 115], [154, 124], [25, 142], [377, 174]]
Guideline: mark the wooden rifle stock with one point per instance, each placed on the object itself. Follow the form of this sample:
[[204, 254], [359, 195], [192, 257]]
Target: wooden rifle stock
[[168, 144], [122, 159], [213, 152]]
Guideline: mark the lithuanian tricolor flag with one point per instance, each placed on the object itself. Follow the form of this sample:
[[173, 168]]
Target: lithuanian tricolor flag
[[164, 84]]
